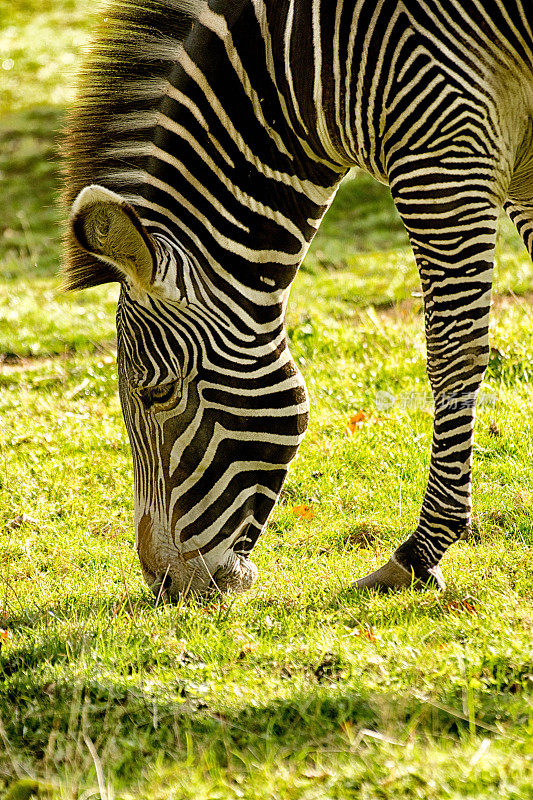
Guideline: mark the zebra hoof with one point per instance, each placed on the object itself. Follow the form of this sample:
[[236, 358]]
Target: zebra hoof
[[395, 576]]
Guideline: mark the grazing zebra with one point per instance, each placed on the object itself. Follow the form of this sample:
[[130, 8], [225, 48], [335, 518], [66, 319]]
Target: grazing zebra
[[208, 141]]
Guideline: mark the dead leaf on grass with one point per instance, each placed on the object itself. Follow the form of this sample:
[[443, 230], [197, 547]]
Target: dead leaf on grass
[[356, 421], [303, 512], [466, 604], [246, 649], [366, 633], [22, 519], [5, 636]]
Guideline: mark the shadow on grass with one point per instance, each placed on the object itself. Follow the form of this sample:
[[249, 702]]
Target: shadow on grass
[[132, 727], [29, 186], [139, 705]]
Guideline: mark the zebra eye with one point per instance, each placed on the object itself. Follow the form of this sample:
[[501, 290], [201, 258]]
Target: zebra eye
[[163, 394]]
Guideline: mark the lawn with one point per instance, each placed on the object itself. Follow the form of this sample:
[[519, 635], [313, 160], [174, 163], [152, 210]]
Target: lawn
[[301, 688]]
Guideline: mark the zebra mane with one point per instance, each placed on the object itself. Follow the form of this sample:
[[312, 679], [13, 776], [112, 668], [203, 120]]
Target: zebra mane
[[124, 73]]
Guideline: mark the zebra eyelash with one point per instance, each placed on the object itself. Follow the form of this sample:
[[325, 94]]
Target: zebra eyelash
[[163, 395]]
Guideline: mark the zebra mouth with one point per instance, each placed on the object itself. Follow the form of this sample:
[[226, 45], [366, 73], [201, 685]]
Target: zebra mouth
[[173, 574], [236, 575]]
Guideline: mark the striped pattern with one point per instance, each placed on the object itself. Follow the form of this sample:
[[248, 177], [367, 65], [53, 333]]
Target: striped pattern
[[226, 128]]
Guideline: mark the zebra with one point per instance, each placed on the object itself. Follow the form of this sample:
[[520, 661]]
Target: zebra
[[206, 144]]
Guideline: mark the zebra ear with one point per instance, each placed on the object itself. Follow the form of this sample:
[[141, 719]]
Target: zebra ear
[[108, 227]]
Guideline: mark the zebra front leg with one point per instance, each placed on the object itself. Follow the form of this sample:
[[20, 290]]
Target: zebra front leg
[[454, 248]]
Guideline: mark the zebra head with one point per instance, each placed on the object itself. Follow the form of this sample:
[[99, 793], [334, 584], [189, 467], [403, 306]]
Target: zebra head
[[214, 405]]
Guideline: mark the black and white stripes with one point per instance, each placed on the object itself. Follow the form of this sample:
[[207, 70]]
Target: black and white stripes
[[212, 137]]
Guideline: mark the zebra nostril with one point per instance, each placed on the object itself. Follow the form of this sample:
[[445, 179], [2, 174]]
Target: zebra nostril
[[161, 585]]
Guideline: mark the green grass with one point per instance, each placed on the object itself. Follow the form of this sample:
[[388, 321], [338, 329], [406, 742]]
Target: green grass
[[40, 44], [301, 689]]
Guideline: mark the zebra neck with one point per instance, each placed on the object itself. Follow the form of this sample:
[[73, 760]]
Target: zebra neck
[[214, 167]]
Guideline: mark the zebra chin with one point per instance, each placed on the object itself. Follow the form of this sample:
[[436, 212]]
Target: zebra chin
[[172, 575]]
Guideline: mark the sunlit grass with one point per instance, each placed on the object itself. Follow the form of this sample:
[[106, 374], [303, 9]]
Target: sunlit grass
[[40, 45]]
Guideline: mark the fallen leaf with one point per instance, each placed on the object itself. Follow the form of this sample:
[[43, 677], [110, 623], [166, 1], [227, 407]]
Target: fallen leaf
[[22, 519], [355, 422], [213, 607], [303, 512], [248, 647], [367, 633], [461, 605]]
